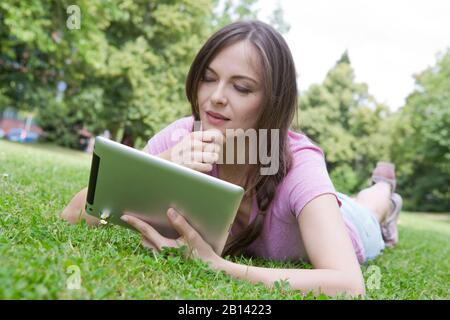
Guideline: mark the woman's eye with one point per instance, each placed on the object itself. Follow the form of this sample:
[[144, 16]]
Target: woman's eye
[[238, 88], [206, 79], [242, 89]]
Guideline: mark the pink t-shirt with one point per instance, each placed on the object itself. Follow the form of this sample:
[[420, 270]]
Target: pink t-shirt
[[308, 178]]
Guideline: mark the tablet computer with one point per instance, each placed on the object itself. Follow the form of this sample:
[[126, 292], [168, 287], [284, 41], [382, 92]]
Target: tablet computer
[[124, 179]]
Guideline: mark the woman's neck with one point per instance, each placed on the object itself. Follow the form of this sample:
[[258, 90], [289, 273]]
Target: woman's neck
[[233, 173], [236, 163]]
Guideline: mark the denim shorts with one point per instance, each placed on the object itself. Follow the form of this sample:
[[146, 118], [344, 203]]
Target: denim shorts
[[366, 224]]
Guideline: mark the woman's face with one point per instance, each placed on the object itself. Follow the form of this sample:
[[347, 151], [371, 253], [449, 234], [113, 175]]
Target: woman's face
[[231, 87]]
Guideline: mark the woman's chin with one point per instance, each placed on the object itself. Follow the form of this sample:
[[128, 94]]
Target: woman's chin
[[208, 126], [221, 130]]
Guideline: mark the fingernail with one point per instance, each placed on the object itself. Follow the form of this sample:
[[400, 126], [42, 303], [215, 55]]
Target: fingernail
[[172, 213], [124, 218]]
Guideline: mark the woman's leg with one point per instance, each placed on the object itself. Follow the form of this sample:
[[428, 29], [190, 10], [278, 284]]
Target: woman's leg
[[382, 201], [377, 198]]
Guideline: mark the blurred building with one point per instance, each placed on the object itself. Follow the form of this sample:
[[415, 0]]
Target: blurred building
[[18, 126]]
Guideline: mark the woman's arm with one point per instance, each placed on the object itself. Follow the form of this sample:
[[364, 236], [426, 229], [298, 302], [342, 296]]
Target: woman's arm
[[75, 211], [326, 241], [328, 281], [329, 249]]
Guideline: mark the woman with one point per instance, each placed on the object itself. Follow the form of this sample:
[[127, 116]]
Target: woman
[[244, 78]]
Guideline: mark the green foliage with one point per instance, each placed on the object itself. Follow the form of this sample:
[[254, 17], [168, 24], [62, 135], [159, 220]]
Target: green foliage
[[344, 178], [346, 121], [56, 119], [233, 10], [355, 132], [421, 140], [125, 67], [277, 20]]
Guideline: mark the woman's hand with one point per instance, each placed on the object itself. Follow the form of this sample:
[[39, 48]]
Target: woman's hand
[[199, 150], [197, 247]]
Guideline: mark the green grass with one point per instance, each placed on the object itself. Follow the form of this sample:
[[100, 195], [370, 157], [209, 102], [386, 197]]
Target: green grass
[[37, 248]]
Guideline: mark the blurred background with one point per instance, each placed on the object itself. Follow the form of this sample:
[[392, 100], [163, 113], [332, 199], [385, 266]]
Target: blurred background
[[373, 77]]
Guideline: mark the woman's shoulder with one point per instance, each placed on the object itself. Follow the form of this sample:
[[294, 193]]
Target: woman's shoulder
[[181, 123], [301, 146], [170, 135], [308, 162], [308, 176], [184, 123], [308, 159]]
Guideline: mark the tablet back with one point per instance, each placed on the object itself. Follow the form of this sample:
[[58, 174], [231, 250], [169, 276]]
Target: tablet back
[[124, 179]]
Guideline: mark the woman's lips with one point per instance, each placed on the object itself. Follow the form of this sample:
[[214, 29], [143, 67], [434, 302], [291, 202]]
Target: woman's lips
[[217, 115], [215, 120]]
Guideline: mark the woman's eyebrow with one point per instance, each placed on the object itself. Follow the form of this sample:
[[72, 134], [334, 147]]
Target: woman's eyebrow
[[235, 76]]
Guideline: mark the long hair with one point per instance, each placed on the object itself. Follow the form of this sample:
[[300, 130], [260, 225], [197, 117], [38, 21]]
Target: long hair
[[277, 111]]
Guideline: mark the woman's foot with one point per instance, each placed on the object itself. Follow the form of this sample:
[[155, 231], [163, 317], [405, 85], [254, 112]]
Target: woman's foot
[[385, 171], [389, 228]]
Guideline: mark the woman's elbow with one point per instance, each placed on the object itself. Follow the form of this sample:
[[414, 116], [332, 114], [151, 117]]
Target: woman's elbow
[[356, 288], [349, 286]]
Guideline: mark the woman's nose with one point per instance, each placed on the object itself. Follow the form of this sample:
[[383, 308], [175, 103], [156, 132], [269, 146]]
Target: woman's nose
[[218, 96]]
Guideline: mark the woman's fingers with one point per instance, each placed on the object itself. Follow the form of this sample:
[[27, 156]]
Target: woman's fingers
[[201, 146], [153, 240], [208, 135], [196, 152], [202, 161], [211, 147], [212, 143], [201, 167], [148, 232], [147, 244], [199, 151], [189, 234], [207, 157]]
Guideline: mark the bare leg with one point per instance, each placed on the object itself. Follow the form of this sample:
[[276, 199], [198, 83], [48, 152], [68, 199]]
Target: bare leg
[[377, 198]]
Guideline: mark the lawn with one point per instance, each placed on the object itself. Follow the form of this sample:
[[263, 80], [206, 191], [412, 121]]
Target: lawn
[[41, 255]]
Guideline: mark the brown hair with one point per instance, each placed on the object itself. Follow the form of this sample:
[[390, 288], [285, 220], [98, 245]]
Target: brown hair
[[277, 110]]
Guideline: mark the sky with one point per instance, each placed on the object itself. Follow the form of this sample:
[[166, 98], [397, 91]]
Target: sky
[[387, 40]]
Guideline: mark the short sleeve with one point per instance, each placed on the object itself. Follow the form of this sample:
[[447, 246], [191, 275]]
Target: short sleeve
[[169, 136], [308, 179]]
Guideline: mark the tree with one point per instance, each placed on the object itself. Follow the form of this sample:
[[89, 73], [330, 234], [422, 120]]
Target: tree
[[124, 69], [227, 11], [277, 19], [347, 122], [421, 140]]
